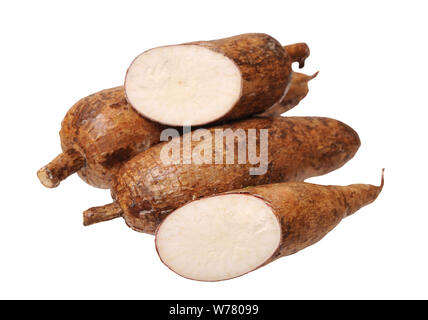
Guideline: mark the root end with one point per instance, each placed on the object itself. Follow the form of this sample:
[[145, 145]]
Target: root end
[[46, 178], [61, 167], [103, 213], [313, 76]]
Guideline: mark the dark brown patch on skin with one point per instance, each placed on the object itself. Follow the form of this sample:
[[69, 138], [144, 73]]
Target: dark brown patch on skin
[[117, 156], [120, 104]]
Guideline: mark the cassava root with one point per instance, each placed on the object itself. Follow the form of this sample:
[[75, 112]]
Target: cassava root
[[211, 81], [226, 236], [147, 189]]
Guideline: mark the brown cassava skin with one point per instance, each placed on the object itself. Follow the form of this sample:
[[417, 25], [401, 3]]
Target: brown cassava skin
[[298, 90], [98, 134], [298, 52], [265, 66], [146, 190], [307, 212]]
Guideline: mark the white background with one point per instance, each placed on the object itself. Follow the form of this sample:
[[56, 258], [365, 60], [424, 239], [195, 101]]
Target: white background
[[372, 58]]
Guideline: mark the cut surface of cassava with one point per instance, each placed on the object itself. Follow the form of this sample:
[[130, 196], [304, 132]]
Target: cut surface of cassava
[[207, 81], [184, 83], [225, 236]]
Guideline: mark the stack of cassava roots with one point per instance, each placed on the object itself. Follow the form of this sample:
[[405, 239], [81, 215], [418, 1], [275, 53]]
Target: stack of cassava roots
[[194, 150]]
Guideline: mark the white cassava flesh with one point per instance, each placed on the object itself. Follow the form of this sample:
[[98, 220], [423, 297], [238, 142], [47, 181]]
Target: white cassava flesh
[[178, 84], [218, 238]]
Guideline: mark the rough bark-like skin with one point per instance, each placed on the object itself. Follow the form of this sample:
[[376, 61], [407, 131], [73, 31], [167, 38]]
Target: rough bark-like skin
[[297, 91], [307, 212], [106, 131], [301, 147], [103, 213]]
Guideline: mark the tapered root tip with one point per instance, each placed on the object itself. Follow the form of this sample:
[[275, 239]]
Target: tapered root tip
[[314, 75], [47, 179], [103, 213], [382, 179]]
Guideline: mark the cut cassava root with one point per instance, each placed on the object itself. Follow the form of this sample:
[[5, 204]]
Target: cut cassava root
[[209, 81], [98, 134], [147, 189], [225, 236]]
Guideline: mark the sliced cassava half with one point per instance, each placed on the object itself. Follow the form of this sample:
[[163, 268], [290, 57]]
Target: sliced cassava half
[[207, 81], [225, 236]]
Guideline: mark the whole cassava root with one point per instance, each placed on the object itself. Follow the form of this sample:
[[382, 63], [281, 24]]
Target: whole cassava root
[[146, 189], [226, 236], [98, 134], [297, 91], [211, 81]]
